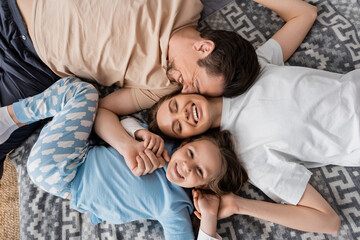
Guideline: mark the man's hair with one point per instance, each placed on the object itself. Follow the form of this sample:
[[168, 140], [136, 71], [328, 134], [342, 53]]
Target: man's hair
[[234, 58], [232, 174]]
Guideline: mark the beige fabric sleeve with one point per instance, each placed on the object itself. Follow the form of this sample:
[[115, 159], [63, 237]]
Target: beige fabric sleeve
[[145, 98]]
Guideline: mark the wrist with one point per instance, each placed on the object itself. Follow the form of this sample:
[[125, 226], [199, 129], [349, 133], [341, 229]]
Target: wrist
[[209, 215], [208, 224], [240, 206], [125, 144], [139, 132]]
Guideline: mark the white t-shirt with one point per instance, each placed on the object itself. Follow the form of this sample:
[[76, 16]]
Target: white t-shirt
[[291, 119]]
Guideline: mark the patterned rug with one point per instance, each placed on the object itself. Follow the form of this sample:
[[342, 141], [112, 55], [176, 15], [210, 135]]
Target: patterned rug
[[333, 44]]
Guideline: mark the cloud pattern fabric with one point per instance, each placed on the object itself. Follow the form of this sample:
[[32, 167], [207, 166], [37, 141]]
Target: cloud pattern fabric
[[63, 143]]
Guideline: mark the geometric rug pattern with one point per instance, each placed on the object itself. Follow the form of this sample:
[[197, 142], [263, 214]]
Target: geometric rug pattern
[[333, 44]]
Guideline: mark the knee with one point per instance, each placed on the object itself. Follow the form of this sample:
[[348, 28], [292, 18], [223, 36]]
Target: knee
[[86, 89], [80, 90]]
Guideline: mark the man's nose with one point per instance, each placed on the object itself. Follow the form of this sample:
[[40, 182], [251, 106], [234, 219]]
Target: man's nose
[[188, 88]]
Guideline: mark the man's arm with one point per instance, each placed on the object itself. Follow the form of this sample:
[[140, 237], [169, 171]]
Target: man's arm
[[312, 213], [299, 17]]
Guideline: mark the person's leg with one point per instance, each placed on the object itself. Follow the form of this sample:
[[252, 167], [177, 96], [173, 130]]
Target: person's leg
[[22, 73], [63, 142]]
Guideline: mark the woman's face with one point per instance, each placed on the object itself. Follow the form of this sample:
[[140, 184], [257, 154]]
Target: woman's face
[[184, 115], [194, 164]]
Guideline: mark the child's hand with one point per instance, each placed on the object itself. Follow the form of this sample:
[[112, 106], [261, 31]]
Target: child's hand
[[148, 162], [205, 204], [140, 160], [151, 141]]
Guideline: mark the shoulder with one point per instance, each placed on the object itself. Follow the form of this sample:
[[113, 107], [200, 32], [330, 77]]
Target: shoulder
[[270, 53]]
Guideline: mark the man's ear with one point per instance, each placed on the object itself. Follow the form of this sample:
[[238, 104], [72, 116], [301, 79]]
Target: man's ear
[[204, 46], [186, 141]]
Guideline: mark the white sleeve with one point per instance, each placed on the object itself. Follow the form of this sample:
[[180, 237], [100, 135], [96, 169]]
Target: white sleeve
[[204, 236], [270, 53], [271, 171], [131, 125]]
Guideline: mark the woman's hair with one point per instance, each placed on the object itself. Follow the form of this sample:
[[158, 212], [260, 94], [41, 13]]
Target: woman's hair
[[152, 114], [232, 174]]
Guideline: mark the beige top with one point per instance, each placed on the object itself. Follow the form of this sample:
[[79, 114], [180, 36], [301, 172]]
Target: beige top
[[123, 42]]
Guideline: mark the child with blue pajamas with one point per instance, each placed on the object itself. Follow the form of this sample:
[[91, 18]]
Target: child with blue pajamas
[[97, 180]]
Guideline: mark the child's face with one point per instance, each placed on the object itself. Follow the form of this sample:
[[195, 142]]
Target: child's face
[[184, 115], [194, 164]]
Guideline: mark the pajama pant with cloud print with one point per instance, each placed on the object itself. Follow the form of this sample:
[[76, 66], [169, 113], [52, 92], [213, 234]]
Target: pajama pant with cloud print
[[63, 143]]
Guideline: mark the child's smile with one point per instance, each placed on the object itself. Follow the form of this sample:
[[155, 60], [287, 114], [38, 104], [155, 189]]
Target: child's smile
[[194, 164]]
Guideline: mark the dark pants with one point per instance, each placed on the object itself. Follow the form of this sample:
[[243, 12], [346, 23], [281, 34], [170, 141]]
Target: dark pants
[[22, 73]]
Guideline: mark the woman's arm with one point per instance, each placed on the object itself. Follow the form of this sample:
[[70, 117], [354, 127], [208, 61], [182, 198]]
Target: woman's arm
[[312, 214], [299, 17]]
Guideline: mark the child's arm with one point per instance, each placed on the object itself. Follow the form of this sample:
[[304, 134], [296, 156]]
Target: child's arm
[[151, 141], [208, 205], [312, 214], [299, 17]]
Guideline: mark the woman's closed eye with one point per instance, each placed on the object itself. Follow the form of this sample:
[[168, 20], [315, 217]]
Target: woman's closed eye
[[173, 107], [191, 153], [200, 172], [176, 106], [178, 127]]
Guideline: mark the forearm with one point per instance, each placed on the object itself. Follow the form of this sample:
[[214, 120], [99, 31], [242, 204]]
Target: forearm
[[292, 216], [108, 127], [208, 224], [288, 9], [299, 17]]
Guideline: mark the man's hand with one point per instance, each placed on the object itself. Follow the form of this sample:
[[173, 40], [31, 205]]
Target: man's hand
[[228, 205], [151, 141]]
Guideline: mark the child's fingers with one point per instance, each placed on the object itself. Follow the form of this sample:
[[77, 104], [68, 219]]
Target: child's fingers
[[152, 143], [196, 200], [146, 141], [162, 161], [155, 147], [197, 214], [165, 155], [161, 148]]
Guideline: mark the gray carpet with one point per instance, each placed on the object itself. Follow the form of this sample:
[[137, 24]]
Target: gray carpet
[[333, 44]]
